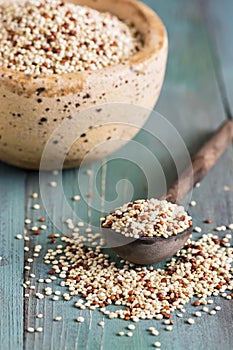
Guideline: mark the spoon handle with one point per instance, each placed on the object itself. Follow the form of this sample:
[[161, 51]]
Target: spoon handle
[[202, 161]]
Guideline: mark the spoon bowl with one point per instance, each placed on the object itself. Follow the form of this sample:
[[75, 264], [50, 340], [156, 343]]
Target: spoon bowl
[[146, 250]]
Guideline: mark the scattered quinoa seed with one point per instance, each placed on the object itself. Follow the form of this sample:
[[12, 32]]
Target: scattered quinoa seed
[[205, 309], [212, 312], [190, 321], [197, 229], [131, 327], [197, 314], [31, 329], [39, 329], [57, 318], [157, 344], [121, 334], [40, 316]]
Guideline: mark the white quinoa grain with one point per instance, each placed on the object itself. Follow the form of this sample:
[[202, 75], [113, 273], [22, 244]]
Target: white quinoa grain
[[129, 334], [166, 322], [76, 198], [57, 318], [80, 224], [121, 334], [218, 308], [198, 314], [169, 328], [35, 195], [157, 344], [40, 316], [131, 327], [197, 229], [212, 312], [190, 321], [36, 206], [80, 319], [19, 236], [31, 329], [39, 329], [193, 203]]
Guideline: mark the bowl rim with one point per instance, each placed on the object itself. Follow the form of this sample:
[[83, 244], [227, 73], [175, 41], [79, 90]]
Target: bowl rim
[[155, 41]]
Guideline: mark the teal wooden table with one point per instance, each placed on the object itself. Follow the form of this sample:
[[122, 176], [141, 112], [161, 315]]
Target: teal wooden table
[[196, 98]]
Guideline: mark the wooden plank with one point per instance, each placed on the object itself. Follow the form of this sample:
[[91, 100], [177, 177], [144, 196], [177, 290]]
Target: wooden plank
[[12, 255], [218, 16]]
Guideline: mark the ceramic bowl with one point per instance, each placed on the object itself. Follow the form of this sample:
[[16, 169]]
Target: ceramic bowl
[[33, 107]]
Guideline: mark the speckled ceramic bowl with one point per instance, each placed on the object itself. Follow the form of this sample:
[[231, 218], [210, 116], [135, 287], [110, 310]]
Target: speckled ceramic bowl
[[31, 108]]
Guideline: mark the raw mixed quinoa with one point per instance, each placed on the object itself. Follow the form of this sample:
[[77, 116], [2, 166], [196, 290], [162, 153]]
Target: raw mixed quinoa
[[149, 218], [52, 36]]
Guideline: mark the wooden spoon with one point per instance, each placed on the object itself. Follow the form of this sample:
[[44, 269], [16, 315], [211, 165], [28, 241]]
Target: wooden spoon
[[150, 250]]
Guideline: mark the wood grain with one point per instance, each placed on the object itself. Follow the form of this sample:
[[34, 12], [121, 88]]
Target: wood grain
[[218, 16], [12, 254], [202, 162]]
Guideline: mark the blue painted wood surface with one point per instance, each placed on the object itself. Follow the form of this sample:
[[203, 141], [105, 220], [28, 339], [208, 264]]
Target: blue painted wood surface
[[12, 188], [218, 16], [192, 100]]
